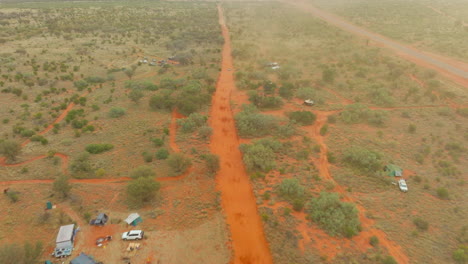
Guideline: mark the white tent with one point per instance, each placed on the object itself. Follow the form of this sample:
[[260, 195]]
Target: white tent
[[133, 219], [65, 236]]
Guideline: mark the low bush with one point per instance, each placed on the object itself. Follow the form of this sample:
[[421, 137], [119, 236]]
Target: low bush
[[442, 193], [98, 148], [158, 142], [116, 112], [192, 122], [142, 171], [358, 113], [291, 189], [421, 224], [302, 117], [258, 157], [460, 255], [179, 163], [142, 190], [365, 160], [212, 162], [374, 241], [162, 154], [251, 123], [336, 217]]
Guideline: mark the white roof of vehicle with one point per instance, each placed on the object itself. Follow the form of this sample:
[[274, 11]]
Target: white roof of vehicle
[[132, 218], [65, 233]]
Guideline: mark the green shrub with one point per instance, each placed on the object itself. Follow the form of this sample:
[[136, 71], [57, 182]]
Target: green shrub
[[442, 193], [158, 142], [358, 113], [212, 162], [13, 196], [81, 84], [162, 154], [116, 112], [161, 102], [363, 159], [421, 224], [148, 157], [389, 260], [306, 93], [205, 132], [251, 123], [142, 171], [135, 95], [258, 157], [192, 122], [98, 148], [374, 241], [81, 164], [291, 189], [10, 149], [13, 253], [62, 186], [179, 163], [302, 117], [142, 190], [336, 217], [460, 255], [324, 130], [27, 133]]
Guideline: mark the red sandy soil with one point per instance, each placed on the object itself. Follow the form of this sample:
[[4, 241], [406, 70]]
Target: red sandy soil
[[238, 200]]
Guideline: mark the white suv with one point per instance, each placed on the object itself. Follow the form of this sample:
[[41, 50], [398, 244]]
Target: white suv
[[402, 185], [133, 235]]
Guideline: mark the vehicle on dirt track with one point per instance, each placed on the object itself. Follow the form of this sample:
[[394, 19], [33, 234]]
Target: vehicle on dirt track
[[100, 220], [133, 235], [402, 185]]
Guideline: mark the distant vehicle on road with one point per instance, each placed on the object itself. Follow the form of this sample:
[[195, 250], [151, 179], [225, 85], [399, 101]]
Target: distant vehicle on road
[[133, 235]]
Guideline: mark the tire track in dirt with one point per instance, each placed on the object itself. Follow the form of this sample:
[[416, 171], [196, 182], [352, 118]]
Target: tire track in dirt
[[238, 200], [362, 239], [455, 70]]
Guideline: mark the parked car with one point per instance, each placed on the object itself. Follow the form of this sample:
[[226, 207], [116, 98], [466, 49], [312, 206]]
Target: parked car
[[402, 185], [133, 235], [100, 220]]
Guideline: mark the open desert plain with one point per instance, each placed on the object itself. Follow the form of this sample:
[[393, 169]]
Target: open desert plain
[[240, 132]]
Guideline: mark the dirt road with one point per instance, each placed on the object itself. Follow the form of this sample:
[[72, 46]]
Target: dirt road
[[457, 71], [238, 200]]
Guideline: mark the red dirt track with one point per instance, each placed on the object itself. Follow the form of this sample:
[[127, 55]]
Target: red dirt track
[[238, 200], [457, 71]]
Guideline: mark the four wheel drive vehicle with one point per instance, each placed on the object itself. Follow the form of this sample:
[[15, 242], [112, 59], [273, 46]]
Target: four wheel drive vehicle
[[402, 185], [308, 102], [133, 235], [100, 220]]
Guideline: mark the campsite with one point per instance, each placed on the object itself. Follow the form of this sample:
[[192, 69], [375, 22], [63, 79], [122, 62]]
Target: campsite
[[232, 132]]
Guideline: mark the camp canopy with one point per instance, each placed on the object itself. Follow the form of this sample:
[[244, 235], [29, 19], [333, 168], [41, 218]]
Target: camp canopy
[[83, 259], [393, 170], [65, 236], [133, 219]]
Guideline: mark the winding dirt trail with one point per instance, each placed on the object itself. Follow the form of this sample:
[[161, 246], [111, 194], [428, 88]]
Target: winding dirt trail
[[238, 200], [368, 225], [455, 70]]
